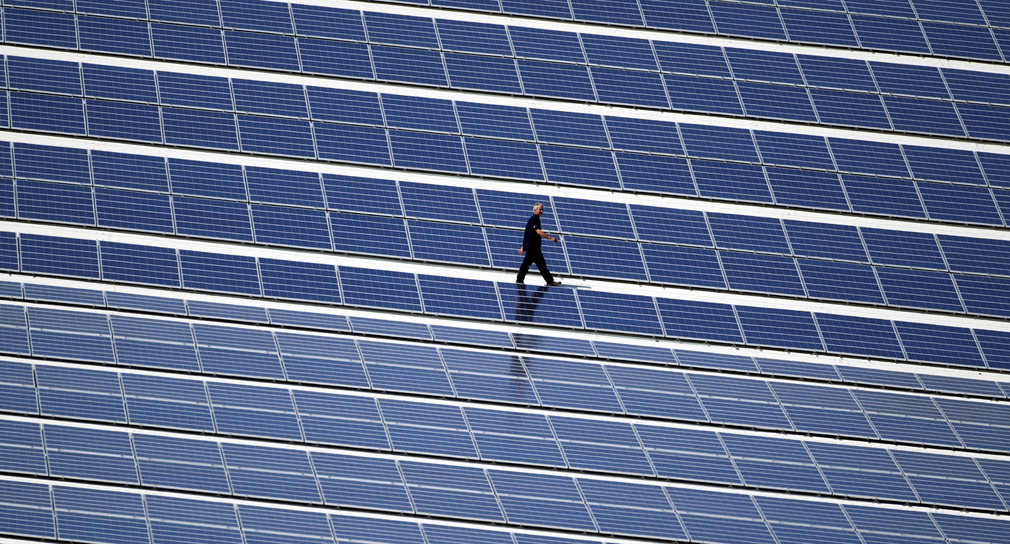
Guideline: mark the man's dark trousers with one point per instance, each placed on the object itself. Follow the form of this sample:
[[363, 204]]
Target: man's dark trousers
[[534, 256]]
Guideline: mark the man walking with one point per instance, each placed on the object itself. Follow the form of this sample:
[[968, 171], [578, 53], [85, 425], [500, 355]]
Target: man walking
[[531, 247]]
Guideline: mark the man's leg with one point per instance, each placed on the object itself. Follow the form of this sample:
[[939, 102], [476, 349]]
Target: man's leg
[[542, 267], [525, 267]]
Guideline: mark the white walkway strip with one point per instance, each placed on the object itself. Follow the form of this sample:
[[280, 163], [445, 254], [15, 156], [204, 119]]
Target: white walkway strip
[[545, 332]]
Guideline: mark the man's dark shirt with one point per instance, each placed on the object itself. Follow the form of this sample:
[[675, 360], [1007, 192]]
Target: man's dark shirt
[[531, 240]]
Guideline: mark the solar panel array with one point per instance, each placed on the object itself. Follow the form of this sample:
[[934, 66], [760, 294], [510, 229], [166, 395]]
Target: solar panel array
[[257, 272]]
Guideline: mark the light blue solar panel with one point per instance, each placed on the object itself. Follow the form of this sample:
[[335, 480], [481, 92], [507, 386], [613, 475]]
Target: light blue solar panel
[[594, 218], [47, 113], [441, 152], [383, 531], [92, 515], [578, 166], [752, 21], [230, 274], [671, 225], [861, 336], [425, 66], [556, 80], [539, 305], [362, 195], [427, 201], [90, 454], [547, 44], [901, 79], [732, 181], [35, 27], [655, 393], [44, 75], [807, 188], [820, 27], [189, 177], [644, 135], [782, 328], [775, 463], [494, 121], [702, 94], [174, 518], [132, 37], [883, 196], [445, 242], [959, 203], [474, 37], [738, 402], [899, 248], [328, 22], [188, 43], [341, 420], [569, 128], [983, 121], [558, 9], [764, 66], [957, 40], [80, 393], [401, 30], [623, 12], [624, 313], [57, 202], [167, 402], [629, 87], [919, 289], [261, 50], [465, 298], [614, 446], [369, 234], [655, 173], [939, 344], [762, 273], [139, 264], [748, 233], [678, 14], [840, 281], [60, 256], [200, 129], [502, 158], [409, 368], [335, 58], [605, 258], [849, 109], [528, 498], [254, 411], [915, 115], [381, 289], [889, 34], [252, 15], [699, 320], [482, 73]]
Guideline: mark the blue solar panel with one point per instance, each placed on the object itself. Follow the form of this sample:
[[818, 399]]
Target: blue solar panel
[[556, 80], [26, 26], [818, 27], [890, 34], [837, 73]]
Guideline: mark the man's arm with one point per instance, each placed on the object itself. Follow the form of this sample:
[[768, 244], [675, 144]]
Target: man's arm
[[548, 236]]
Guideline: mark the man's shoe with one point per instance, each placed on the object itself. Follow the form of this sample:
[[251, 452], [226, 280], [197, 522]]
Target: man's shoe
[[520, 282], [554, 283]]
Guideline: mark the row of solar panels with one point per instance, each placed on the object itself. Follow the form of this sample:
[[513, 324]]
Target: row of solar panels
[[490, 301], [517, 160], [931, 28], [380, 206], [347, 362], [636, 87], [888, 282], [650, 454], [36, 509], [526, 342], [587, 140]]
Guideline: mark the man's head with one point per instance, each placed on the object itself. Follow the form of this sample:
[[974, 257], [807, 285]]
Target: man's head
[[538, 209]]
